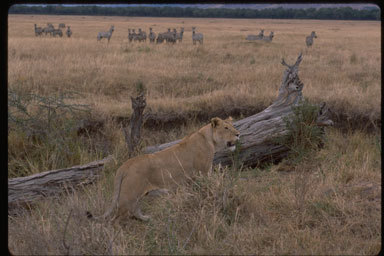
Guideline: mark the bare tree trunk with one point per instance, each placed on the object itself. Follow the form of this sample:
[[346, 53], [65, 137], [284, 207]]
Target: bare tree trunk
[[257, 131], [24, 190], [132, 137]]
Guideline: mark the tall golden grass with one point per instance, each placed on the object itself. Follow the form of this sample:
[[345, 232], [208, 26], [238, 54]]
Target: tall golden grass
[[342, 68], [328, 204]]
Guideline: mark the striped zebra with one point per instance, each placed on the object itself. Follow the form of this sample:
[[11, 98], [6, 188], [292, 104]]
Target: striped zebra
[[49, 29], [107, 35], [309, 39], [135, 35], [69, 31], [160, 38], [166, 36], [142, 36], [256, 37], [130, 35], [151, 36], [56, 32], [196, 36], [268, 38], [171, 36], [61, 25], [38, 31], [179, 36]]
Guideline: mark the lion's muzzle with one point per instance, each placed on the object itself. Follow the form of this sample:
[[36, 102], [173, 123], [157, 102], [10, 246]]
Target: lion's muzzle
[[232, 144]]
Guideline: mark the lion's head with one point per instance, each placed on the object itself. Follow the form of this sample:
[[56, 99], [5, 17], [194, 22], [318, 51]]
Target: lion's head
[[224, 134]]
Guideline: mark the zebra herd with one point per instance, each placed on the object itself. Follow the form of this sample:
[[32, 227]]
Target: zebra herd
[[168, 36], [52, 31], [261, 36], [141, 36]]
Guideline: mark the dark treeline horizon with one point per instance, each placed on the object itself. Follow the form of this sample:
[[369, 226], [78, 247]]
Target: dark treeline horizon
[[340, 13]]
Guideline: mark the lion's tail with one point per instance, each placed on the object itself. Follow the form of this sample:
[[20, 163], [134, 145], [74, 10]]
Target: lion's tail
[[116, 195]]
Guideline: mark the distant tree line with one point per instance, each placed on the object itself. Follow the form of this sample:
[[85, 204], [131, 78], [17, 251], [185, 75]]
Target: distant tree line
[[342, 13]]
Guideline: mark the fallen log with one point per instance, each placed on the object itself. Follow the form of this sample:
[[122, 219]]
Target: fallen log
[[258, 131], [24, 190], [256, 146]]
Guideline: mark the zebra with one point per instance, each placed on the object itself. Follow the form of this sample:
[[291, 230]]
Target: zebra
[[256, 37], [179, 36], [151, 36], [142, 36], [160, 38], [57, 32], [268, 38], [171, 36], [135, 36], [130, 35], [38, 31], [167, 36], [49, 29], [69, 31], [107, 35], [196, 36], [61, 25], [309, 39]]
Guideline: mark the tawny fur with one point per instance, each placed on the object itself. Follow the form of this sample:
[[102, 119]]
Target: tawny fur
[[165, 170]]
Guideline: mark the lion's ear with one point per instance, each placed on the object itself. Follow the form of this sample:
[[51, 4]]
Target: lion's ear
[[215, 121], [229, 119]]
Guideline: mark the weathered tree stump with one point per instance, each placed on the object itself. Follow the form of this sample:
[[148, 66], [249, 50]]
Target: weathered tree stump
[[132, 137], [24, 190], [257, 131]]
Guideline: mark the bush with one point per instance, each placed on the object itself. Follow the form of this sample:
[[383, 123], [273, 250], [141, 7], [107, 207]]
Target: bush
[[303, 135], [42, 132]]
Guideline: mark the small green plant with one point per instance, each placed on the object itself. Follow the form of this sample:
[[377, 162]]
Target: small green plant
[[303, 135], [140, 87], [145, 49], [353, 59], [237, 163]]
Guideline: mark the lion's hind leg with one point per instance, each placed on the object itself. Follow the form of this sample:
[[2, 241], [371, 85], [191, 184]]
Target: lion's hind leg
[[129, 201], [128, 208]]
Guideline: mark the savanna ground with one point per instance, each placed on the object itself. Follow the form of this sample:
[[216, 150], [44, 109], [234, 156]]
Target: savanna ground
[[328, 203]]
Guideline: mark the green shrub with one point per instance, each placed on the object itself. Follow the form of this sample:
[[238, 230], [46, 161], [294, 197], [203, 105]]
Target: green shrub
[[303, 135]]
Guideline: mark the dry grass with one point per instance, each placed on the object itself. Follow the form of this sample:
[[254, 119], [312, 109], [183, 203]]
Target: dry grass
[[342, 68], [329, 204]]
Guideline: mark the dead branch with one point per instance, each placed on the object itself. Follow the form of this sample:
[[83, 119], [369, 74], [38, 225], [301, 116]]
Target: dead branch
[[132, 137]]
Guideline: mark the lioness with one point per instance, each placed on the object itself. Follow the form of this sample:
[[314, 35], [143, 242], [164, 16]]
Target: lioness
[[166, 169]]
